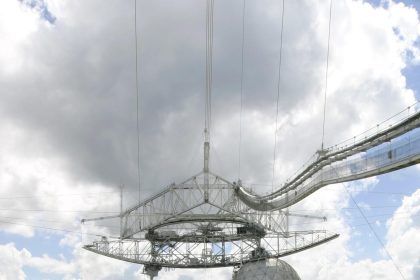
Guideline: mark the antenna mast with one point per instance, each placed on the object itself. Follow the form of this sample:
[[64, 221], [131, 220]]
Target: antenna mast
[[209, 72]]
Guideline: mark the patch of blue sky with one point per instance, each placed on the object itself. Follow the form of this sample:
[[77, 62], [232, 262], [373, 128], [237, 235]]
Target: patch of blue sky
[[379, 205], [412, 74], [380, 201], [410, 3], [412, 71], [33, 273], [42, 8], [375, 3], [42, 243]]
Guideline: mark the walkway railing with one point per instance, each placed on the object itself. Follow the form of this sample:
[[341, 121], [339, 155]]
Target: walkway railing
[[390, 149]]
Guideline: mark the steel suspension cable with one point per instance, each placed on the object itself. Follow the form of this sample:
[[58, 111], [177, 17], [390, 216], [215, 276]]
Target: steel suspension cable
[[242, 85], [207, 70], [365, 218], [374, 232], [137, 100], [209, 67], [51, 229], [326, 77], [278, 95]]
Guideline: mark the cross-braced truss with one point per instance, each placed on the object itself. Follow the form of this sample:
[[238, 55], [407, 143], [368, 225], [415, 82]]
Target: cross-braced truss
[[188, 251], [202, 223], [207, 221]]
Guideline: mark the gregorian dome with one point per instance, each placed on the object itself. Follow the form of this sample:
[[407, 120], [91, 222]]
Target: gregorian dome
[[270, 269]]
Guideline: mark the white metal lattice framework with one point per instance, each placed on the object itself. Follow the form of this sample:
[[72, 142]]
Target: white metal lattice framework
[[207, 221], [201, 222]]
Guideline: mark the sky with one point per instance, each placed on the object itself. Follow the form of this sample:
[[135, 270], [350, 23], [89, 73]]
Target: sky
[[68, 135]]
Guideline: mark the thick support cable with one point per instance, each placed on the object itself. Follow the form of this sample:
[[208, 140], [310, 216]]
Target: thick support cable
[[278, 97], [374, 233], [209, 67], [137, 100], [209, 82], [326, 77], [242, 87]]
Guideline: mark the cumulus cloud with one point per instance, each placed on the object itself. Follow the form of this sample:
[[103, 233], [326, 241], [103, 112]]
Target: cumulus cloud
[[11, 262], [403, 233], [68, 112], [334, 260], [46, 264]]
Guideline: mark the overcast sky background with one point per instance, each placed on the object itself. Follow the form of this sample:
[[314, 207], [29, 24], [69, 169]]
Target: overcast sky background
[[68, 121]]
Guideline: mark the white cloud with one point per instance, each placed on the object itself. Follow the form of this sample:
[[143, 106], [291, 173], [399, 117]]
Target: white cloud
[[46, 264], [333, 260], [203, 274], [403, 233], [11, 261], [67, 115], [16, 25], [93, 266], [40, 191]]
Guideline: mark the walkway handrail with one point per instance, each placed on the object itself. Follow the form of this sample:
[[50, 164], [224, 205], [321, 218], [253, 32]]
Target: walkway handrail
[[326, 158]]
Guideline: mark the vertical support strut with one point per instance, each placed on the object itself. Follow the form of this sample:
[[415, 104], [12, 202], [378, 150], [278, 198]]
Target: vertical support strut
[[121, 210], [206, 166], [206, 152], [209, 54]]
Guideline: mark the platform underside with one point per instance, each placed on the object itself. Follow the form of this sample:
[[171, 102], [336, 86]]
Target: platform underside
[[211, 253]]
